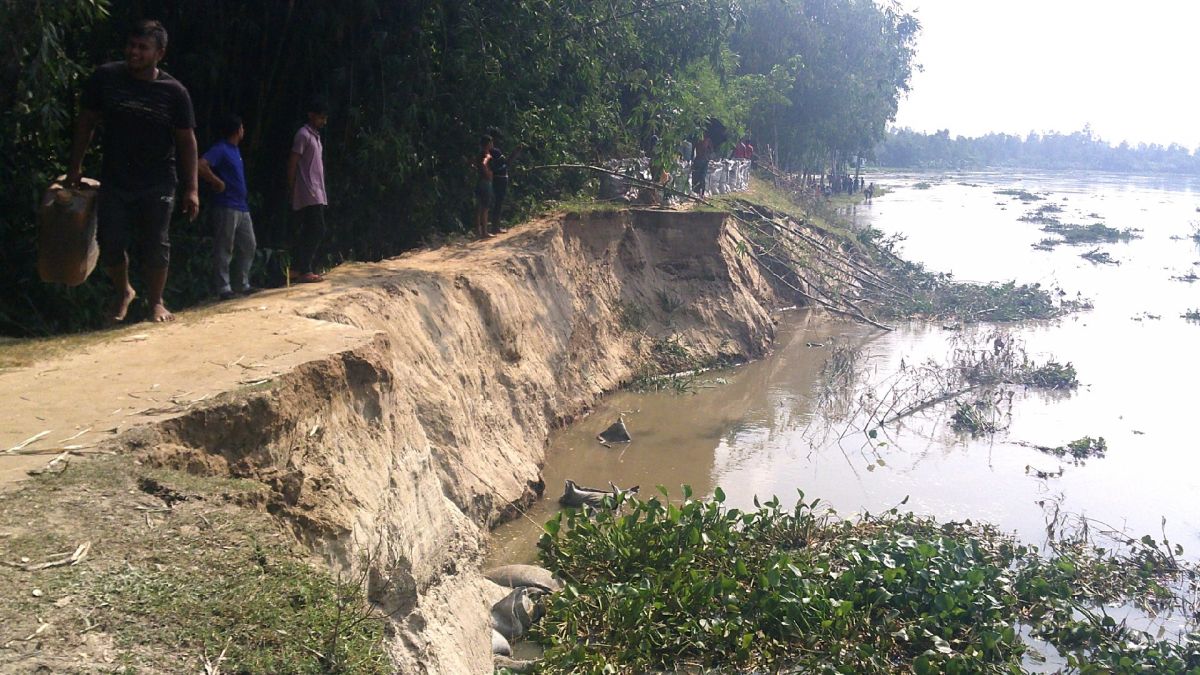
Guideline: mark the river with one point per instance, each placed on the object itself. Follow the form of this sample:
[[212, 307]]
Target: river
[[770, 427]]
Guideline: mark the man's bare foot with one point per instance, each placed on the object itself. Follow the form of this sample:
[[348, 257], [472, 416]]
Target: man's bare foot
[[120, 306], [160, 314]]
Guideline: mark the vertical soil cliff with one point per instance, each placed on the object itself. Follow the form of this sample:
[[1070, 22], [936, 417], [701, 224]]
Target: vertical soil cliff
[[399, 411]]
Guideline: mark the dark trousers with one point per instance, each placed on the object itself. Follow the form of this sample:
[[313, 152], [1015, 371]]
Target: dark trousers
[[499, 190], [311, 225], [137, 218]]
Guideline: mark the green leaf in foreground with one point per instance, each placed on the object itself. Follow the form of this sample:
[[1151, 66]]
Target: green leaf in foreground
[[693, 585]]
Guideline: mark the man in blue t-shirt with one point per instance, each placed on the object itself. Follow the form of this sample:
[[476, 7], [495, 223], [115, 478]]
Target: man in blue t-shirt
[[233, 231]]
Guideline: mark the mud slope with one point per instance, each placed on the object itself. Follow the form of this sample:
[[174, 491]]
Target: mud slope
[[423, 418]]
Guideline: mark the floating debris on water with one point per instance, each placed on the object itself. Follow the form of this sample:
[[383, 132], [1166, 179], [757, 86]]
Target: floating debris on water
[[1042, 215], [1079, 450], [1098, 257], [981, 417], [615, 433], [1096, 233], [1023, 195]]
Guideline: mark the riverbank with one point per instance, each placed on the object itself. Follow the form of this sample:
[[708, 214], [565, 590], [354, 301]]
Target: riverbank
[[385, 419]]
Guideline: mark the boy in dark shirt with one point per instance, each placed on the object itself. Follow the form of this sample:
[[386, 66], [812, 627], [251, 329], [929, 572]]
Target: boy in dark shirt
[[147, 119], [233, 230]]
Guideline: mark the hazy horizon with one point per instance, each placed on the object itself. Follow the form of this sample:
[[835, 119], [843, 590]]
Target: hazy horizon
[[1034, 66]]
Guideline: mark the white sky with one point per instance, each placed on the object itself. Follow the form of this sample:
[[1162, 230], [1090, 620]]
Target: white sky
[[1129, 68]]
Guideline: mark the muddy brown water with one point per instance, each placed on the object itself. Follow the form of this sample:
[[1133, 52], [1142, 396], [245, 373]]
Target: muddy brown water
[[763, 429]]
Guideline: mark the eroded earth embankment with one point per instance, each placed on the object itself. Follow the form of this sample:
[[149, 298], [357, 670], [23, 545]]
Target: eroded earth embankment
[[398, 411]]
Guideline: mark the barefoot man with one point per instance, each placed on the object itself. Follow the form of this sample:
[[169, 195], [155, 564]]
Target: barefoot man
[[147, 122]]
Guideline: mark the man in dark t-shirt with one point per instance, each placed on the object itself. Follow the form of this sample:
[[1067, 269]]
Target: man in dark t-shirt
[[147, 123]]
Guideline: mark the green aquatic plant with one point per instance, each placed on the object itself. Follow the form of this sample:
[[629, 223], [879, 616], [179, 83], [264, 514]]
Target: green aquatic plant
[[1050, 375], [1079, 450], [1098, 257], [1095, 233], [1043, 215], [939, 296], [655, 585], [977, 418], [1023, 195]]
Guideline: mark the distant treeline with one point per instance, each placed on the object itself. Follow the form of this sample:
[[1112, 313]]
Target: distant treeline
[[905, 148], [411, 85]]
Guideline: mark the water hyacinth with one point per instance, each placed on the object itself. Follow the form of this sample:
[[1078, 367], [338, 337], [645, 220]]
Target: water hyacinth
[[654, 585]]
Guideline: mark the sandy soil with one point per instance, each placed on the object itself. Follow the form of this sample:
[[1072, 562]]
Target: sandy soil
[[147, 373], [399, 410]]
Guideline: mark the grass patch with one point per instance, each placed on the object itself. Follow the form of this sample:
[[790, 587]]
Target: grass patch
[[922, 186], [670, 366], [166, 586], [633, 316], [659, 586], [1191, 315]]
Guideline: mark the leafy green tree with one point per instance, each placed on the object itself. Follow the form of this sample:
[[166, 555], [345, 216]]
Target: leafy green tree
[[849, 62], [39, 71], [412, 85]]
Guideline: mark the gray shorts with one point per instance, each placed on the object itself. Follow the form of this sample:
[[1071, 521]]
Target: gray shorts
[[137, 218]]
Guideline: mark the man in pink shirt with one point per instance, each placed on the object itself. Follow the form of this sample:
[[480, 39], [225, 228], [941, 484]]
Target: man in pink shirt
[[306, 185]]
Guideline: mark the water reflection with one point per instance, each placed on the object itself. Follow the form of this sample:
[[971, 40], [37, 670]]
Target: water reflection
[[772, 427]]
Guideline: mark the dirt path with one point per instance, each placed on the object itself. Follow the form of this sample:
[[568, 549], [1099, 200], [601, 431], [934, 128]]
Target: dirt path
[[82, 392], [393, 414]]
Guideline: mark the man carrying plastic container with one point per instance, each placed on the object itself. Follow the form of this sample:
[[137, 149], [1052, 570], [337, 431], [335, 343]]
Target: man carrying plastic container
[[147, 122]]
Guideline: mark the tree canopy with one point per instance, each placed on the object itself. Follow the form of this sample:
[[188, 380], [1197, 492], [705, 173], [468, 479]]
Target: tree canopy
[[411, 86], [905, 148]]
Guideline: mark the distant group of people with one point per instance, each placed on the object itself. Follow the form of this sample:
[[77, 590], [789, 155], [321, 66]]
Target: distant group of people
[[845, 184], [149, 147]]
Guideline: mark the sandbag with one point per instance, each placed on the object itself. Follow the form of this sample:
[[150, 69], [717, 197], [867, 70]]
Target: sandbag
[[578, 495], [513, 615], [67, 249], [500, 644], [615, 433], [513, 665]]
